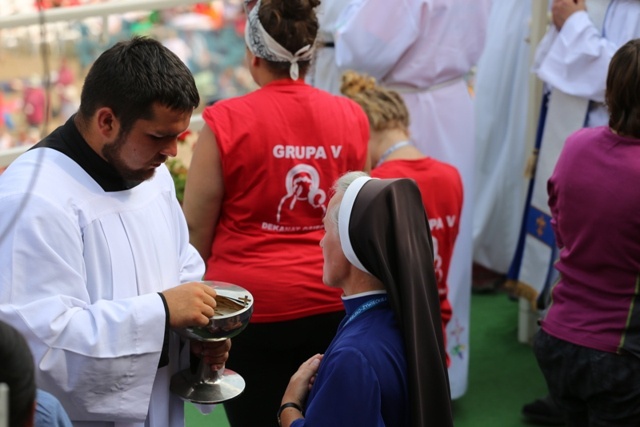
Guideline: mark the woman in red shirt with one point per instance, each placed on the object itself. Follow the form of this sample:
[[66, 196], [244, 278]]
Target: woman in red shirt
[[257, 190], [394, 156]]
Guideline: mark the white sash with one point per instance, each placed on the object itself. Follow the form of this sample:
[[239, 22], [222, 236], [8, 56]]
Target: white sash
[[409, 89]]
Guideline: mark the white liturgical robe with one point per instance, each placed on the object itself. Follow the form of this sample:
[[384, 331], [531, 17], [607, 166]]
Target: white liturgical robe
[[80, 272], [501, 125], [324, 74]]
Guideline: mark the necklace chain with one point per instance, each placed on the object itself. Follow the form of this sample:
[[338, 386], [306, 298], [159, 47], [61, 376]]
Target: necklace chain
[[390, 150]]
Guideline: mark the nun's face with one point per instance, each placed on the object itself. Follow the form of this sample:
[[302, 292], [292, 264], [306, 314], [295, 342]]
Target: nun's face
[[336, 267]]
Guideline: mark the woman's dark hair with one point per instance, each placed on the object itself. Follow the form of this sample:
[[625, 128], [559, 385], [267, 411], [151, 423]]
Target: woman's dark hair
[[132, 76], [293, 24], [623, 90], [17, 371]]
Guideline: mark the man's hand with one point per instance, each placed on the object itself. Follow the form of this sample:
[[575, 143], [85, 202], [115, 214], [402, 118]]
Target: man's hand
[[213, 353], [190, 304], [561, 10]]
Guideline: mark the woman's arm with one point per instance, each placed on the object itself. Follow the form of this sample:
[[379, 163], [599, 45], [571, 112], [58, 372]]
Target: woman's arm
[[297, 391], [204, 192]]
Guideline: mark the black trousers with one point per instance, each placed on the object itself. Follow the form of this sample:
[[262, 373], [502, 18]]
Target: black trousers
[[267, 355], [593, 388]]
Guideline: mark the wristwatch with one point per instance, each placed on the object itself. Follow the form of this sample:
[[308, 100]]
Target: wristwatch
[[285, 406]]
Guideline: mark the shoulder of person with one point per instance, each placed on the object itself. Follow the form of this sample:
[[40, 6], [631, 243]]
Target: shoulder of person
[[49, 411]]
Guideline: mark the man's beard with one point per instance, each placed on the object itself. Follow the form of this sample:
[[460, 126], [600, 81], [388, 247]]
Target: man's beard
[[112, 152]]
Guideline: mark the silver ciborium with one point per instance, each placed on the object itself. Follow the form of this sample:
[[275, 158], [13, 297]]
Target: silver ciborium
[[234, 306]]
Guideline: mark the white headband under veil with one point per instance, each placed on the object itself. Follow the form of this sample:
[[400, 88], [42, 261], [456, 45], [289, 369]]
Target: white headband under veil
[[262, 45], [344, 217]]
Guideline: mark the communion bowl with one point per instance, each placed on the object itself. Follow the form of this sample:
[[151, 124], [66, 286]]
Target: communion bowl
[[234, 307]]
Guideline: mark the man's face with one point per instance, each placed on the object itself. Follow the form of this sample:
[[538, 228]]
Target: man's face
[[336, 267], [137, 153]]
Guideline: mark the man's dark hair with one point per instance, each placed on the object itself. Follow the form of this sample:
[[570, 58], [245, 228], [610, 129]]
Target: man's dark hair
[[132, 76], [623, 90], [17, 371]]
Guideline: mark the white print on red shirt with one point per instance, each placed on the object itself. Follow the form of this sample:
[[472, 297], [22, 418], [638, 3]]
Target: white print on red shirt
[[303, 187], [437, 260], [304, 152], [438, 223]]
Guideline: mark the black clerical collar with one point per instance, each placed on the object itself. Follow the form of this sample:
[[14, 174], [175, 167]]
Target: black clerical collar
[[68, 140]]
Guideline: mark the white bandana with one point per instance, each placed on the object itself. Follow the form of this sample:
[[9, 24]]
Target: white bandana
[[262, 45]]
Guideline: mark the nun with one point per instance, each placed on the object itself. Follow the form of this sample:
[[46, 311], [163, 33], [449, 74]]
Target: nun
[[386, 364]]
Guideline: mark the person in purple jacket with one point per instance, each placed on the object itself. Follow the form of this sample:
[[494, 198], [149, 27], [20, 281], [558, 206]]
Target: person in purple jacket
[[588, 347], [386, 365]]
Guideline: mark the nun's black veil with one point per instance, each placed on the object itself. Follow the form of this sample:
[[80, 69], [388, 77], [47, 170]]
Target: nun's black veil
[[389, 233]]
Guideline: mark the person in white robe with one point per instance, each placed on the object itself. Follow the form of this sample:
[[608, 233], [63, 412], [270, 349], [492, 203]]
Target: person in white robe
[[324, 73], [572, 60], [96, 269], [501, 93], [425, 49]]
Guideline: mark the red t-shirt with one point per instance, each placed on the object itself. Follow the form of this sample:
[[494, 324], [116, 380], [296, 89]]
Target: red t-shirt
[[441, 188], [281, 147]]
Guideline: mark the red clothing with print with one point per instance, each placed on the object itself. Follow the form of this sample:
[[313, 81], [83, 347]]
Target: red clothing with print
[[281, 149], [441, 188]]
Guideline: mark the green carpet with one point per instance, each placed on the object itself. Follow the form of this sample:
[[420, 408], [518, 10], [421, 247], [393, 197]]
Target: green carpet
[[503, 374], [216, 418]]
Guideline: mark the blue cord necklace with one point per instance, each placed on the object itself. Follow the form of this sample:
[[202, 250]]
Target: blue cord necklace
[[364, 307], [390, 150]]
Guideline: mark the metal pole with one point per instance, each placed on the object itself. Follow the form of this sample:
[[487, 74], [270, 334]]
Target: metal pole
[[4, 405], [90, 10]]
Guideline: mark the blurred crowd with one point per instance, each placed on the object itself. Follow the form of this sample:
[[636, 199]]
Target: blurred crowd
[[207, 37]]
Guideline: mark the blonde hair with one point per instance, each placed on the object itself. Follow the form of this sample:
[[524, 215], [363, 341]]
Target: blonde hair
[[384, 107]]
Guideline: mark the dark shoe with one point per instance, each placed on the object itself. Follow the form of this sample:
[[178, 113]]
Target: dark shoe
[[485, 280], [543, 412]]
